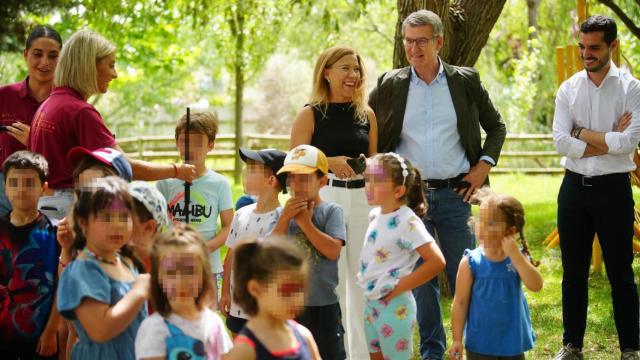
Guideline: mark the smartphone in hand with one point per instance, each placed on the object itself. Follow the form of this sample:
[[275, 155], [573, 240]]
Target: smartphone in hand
[[358, 164]]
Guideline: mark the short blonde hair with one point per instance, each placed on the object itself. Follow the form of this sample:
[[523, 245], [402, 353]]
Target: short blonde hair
[[80, 55], [320, 90]]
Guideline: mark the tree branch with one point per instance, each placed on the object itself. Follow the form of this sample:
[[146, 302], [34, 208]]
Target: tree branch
[[635, 30], [377, 30]]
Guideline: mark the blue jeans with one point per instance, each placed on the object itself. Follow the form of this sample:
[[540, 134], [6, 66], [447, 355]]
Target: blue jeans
[[447, 218], [5, 206]]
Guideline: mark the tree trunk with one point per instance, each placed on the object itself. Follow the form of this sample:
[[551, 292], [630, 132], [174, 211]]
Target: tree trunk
[[532, 10], [467, 25], [237, 22], [239, 78], [236, 19]]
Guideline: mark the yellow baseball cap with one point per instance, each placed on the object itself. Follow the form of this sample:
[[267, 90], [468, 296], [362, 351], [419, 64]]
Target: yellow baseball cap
[[305, 159]]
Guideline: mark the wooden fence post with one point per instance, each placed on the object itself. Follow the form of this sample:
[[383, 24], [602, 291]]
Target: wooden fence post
[[140, 147], [561, 71], [583, 10], [616, 54]]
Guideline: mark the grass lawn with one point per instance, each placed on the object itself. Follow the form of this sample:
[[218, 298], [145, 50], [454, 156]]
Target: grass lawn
[[538, 194]]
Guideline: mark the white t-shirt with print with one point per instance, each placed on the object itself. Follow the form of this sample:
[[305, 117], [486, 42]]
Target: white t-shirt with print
[[248, 223], [388, 253], [150, 340]]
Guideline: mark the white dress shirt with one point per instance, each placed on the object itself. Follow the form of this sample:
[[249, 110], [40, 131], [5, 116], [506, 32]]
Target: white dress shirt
[[581, 103]]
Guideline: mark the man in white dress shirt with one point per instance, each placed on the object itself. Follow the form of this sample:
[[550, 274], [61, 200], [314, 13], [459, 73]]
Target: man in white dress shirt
[[596, 127]]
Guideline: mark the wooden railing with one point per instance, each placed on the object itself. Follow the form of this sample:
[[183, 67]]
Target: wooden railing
[[522, 153]]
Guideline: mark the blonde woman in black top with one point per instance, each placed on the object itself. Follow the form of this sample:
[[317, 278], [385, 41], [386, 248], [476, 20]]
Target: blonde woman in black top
[[339, 122]]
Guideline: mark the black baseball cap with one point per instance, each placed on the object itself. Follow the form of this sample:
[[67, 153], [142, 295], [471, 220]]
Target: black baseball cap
[[271, 158]]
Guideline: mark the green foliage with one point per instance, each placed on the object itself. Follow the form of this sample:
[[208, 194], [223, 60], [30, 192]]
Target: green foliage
[[366, 26], [520, 73], [246, 31], [630, 44], [174, 53], [158, 50], [13, 28]]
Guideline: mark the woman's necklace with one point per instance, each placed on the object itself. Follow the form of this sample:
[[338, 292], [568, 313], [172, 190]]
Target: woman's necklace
[[100, 258], [342, 106]]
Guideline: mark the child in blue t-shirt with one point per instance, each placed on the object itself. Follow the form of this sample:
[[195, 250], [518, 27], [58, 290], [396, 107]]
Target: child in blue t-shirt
[[489, 304], [102, 291], [28, 263], [210, 194]]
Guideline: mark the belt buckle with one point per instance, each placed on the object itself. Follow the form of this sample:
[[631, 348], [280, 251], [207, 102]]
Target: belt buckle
[[586, 183], [429, 187]]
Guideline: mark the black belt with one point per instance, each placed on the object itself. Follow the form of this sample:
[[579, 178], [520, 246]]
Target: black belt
[[588, 181], [349, 184], [454, 182]]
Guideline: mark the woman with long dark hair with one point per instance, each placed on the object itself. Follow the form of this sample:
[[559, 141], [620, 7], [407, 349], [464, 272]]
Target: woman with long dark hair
[[19, 101]]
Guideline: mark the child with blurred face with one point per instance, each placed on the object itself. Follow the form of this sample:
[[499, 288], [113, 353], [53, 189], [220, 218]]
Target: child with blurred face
[[489, 306], [149, 218], [317, 227], [106, 315], [254, 220], [29, 254], [270, 283], [395, 239], [181, 291], [210, 193]]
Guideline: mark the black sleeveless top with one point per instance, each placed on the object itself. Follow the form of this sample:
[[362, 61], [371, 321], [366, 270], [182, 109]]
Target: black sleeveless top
[[337, 132]]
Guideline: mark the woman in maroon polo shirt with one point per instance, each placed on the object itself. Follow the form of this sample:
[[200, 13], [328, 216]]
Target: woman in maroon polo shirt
[[19, 101], [66, 120]]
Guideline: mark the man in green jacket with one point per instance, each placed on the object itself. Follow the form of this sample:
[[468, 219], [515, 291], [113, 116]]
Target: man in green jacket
[[431, 113]]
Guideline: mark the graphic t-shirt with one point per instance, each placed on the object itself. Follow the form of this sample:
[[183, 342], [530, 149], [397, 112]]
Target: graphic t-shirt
[[323, 273], [28, 272], [389, 250], [247, 223], [210, 194], [209, 329]]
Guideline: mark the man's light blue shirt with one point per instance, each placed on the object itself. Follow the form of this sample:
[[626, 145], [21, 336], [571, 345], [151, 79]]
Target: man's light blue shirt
[[430, 137]]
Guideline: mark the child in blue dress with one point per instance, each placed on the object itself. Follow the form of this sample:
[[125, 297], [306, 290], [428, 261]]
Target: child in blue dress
[[489, 304], [102, 291]]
